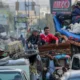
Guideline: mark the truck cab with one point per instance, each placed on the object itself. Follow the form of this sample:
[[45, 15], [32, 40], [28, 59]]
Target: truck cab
[[12, 74], [10, 69], [74, 72]]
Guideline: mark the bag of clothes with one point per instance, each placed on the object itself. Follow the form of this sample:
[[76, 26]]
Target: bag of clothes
[[75, 28]]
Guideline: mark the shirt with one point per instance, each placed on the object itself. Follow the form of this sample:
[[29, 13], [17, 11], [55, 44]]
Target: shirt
[[48, 38], [33, 39]]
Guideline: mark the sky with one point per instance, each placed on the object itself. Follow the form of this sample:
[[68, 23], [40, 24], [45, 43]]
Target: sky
[[41, 2]]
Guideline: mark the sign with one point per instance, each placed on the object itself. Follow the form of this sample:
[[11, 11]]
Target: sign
[[60, 6]]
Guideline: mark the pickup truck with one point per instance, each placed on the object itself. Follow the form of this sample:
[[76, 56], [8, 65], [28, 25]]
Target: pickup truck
[[74, 72], [9, 69]]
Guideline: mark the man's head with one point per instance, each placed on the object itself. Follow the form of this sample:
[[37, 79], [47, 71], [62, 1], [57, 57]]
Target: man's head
[[18, 77], [35, 32], [46, 30], [78, 4], [58, 35]]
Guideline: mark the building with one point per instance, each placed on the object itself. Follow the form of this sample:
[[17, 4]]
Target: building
[[44, 11], [29, 10], [4, 17]]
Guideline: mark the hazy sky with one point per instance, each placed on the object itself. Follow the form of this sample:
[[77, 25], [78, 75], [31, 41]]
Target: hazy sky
[[41, 2]]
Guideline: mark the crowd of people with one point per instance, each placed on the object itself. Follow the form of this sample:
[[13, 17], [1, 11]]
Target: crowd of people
[[37, 38]]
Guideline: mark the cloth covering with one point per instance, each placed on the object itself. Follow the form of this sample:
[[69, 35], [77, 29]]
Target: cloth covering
[[75, 28]]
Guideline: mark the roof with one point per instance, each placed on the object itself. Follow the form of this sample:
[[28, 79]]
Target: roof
[[77, 55], [9, 69]]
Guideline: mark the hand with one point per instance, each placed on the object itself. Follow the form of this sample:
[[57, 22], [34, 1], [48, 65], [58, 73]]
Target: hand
[[29, 45], [45, 69], [56, 44], [49, 56], [68, 41]]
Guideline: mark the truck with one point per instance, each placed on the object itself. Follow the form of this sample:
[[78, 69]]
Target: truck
[[13, 74], [10, 68], [74, 71]]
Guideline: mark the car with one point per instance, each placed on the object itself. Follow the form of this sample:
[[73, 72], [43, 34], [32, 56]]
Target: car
[[12, 74], [71, 75]]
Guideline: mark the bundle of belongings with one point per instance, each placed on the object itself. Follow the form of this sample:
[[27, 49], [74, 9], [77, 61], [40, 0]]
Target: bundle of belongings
[[15, 46], [75, 28], [7, 61], [71, 22], [76, 13], [65, 19]]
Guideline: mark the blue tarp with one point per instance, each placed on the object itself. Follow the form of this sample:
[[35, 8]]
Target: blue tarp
[[58, 27]]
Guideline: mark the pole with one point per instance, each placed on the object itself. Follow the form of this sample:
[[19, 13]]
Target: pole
[[25, 6], [39, 17], [28, 8], [17, 18]]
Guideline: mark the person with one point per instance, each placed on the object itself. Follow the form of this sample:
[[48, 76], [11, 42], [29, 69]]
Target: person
[[61, 38], [22, 39], [47, 37], [17, 77], [34, 38]]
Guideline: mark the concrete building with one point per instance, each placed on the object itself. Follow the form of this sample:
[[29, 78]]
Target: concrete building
[[44, 11], [5, 17]]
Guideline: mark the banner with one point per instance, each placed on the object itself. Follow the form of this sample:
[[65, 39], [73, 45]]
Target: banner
[[60, 6]]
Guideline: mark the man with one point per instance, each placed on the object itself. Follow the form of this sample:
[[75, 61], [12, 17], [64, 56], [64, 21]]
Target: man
[[22, 39], [34, 38], [47, 37], [61, 38]]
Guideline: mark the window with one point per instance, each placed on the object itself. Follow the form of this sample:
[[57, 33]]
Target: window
[[10, 76], [24, 75], [75, 64], [74, 78]]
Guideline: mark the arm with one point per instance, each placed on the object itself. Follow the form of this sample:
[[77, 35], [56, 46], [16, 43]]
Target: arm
[[57, 42], [41, 36], [39, 40], [55, 38], [65, 38], [29, 39]]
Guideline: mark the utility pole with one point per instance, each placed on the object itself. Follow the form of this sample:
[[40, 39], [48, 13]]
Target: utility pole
[[28, 8], [25, 6], [39, 12]]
